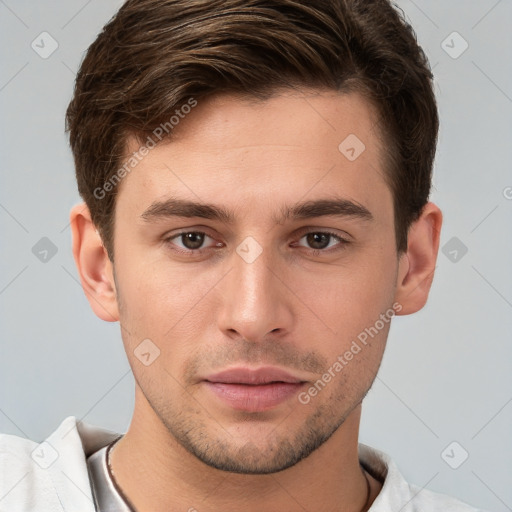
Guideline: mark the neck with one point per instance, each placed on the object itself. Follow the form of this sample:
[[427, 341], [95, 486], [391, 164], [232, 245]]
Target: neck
[[157, 474]]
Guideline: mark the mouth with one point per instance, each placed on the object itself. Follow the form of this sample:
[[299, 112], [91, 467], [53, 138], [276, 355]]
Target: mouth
[[253, 390]]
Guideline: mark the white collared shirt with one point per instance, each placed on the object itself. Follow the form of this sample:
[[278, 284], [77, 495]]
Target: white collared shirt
[[54, 476]]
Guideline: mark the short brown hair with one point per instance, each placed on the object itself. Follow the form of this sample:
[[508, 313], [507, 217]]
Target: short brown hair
[[154, 55]]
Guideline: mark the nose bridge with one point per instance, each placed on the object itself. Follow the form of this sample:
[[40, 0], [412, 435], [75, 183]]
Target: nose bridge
[[256, 302]]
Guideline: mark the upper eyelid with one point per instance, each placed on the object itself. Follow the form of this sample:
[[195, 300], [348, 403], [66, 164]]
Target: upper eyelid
[[169, 236], [302, 231], [329, 231]]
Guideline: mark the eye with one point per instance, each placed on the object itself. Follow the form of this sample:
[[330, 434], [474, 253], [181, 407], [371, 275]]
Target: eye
[[319, 241], [189, 241], [193, 242]]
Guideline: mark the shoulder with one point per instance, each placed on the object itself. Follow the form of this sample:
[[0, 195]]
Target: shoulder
[[397, 494], [51, 475], [26, 482], [424, 499]]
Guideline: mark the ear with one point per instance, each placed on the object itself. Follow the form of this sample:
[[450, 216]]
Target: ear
[[417, 264], [93, 264]]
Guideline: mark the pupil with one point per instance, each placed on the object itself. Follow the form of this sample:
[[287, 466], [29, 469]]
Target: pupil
[[192, 240], [318, 240]]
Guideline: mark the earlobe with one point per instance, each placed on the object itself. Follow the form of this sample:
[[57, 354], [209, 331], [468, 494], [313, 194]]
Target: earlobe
[[417, 265], [94, 267]]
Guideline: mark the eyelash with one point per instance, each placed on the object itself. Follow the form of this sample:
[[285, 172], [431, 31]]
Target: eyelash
[[343, 242]]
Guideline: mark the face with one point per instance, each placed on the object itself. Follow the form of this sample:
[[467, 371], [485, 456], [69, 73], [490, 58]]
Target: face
[[283, 270]]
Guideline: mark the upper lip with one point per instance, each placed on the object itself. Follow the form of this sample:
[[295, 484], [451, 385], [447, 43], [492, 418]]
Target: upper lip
[[263, 375]]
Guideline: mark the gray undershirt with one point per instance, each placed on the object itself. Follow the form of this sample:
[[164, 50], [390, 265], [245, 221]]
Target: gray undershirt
[[107, 496]]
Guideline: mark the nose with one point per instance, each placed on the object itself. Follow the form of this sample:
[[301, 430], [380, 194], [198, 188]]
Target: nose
[[256, 298]]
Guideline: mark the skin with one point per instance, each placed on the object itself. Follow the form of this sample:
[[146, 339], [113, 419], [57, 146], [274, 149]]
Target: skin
[[290, 307]]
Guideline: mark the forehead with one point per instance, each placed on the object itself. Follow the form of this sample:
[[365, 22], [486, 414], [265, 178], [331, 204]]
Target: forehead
[[285, 117], [234, 149]]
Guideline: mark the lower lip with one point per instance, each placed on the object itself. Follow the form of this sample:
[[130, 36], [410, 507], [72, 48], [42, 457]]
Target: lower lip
[[256, 398]]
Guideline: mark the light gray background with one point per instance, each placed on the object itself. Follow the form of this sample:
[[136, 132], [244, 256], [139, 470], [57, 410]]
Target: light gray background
[[446, 374]]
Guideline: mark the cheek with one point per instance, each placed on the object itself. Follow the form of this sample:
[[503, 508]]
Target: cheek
[[352, 337], [349, 298], [164, 304]]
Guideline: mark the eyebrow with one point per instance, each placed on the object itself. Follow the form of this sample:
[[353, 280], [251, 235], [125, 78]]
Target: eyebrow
[[332, 207]]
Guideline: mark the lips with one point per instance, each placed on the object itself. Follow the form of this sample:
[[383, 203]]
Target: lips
[[253, 390], [256, 376]]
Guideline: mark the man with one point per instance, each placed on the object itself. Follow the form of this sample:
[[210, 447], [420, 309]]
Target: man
[[256, 177]]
